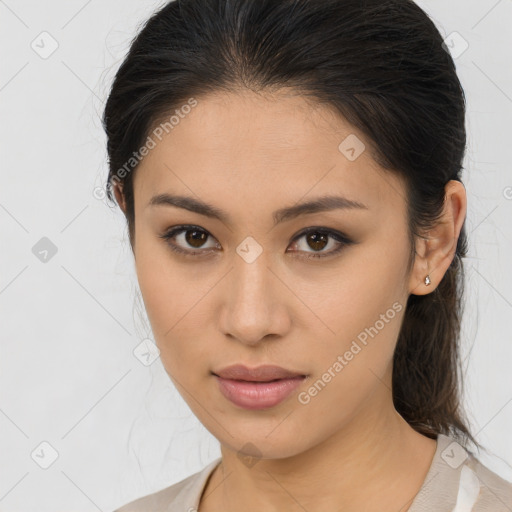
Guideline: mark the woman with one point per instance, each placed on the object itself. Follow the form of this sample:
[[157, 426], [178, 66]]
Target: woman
[[290, 175]]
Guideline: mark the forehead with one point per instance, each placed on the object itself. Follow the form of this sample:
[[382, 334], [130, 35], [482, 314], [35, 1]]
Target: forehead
[[263, 147], [270, 123]]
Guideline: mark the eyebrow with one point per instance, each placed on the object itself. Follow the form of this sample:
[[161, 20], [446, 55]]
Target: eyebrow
[[320, 204]]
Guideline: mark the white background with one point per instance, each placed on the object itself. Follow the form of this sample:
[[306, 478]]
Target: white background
[[69, 326]]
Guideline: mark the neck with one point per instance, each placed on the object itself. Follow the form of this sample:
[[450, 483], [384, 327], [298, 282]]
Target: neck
[[376, 463]]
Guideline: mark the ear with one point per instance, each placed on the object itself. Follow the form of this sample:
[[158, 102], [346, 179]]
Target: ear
[[118, 193], [435, 251]]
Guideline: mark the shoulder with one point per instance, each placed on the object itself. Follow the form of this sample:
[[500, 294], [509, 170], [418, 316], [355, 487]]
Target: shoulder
[[495, 492], [477, 487], [183, 495], [457, 480]]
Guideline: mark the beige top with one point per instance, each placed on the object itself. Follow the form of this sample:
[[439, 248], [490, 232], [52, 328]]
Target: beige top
[[456, 482]]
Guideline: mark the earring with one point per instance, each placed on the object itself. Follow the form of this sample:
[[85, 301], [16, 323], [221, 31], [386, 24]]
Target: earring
[[427, 280]]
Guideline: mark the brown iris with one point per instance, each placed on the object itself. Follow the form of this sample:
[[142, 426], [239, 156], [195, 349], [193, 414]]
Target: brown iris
[[196, 238], [317, 240]]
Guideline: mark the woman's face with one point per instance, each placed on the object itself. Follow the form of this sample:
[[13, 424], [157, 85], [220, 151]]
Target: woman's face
[[250, 295]]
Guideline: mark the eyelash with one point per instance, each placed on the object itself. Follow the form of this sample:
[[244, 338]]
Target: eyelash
[[339, 237]]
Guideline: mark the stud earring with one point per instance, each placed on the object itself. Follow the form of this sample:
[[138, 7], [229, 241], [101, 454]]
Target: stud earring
[[427, 280]]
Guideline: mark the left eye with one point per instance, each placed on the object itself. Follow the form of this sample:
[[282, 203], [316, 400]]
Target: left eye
[[315, 238], [318, 239]]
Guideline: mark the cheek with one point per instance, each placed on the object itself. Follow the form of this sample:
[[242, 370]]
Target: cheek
[[162, 285], [157, 289], [363, 306], [363, 290], [172, 299]]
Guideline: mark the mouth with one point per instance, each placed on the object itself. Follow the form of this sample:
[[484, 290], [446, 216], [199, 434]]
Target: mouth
[[258, 388], [264, 373]]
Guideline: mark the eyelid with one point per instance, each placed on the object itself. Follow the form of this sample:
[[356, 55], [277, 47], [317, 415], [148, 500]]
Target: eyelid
[[342, 239]]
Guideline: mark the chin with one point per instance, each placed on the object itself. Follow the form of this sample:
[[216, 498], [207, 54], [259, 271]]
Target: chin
[[271, 439]]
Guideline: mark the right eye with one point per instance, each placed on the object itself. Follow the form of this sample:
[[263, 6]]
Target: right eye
[[193, 236]]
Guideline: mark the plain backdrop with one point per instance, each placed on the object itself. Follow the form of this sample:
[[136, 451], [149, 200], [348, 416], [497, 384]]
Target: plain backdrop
[[73, 395]]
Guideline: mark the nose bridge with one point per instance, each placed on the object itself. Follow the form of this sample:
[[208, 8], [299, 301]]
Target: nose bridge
[[251, 280], [251, 309], [251, 266]]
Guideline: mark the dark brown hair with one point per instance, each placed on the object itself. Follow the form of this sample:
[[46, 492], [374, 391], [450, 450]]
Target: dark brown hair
[[383, 66]]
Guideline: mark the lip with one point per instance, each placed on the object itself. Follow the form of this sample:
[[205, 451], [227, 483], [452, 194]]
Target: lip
[[257, 388], [263, 373]]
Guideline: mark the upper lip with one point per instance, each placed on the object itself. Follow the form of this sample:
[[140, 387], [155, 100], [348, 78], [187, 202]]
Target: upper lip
[[262, 373]]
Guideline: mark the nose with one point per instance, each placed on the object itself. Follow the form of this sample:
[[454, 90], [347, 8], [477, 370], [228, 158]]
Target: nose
[[253, 303]]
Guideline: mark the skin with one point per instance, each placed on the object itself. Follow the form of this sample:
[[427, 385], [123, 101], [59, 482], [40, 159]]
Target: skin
[[249, 154]]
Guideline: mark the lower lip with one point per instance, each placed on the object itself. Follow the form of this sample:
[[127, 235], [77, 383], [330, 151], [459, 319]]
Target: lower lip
[[258, 395]]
